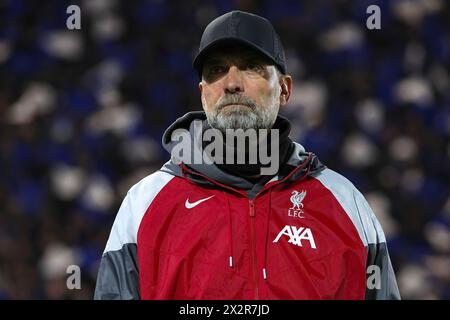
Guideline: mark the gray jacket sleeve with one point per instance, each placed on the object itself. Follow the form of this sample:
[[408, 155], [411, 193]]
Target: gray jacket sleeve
[[380, 278], [118, 275], [381, 283]]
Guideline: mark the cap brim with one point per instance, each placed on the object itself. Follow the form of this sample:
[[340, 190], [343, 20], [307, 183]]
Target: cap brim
[[200, 58]]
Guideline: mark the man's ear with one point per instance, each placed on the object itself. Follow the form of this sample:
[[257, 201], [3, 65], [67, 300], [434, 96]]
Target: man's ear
[[286, 89], [200, 88]]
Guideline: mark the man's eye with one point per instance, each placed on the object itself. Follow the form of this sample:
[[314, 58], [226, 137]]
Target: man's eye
[[254, 67], [216, 69]]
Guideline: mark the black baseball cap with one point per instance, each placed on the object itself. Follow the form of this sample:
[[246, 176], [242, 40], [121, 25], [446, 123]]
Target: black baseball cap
[[247, 28]]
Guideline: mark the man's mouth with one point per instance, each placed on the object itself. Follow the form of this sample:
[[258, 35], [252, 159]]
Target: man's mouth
[[236, 105]]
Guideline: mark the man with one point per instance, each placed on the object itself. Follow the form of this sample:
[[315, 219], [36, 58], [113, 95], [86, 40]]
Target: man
[[226, 229]]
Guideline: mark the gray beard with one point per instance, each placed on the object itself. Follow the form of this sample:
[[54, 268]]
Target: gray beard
[[250, 116]]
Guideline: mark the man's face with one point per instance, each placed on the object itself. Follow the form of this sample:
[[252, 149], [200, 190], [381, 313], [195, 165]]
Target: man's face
[[241, 88]]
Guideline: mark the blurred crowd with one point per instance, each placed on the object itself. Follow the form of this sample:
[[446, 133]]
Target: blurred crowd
[[82, 114]]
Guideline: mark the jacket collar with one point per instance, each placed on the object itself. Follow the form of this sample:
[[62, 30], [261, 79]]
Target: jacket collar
[[297, 158]]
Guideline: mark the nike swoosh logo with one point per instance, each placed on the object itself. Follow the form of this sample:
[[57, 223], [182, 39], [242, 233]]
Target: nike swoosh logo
[[189, 205]]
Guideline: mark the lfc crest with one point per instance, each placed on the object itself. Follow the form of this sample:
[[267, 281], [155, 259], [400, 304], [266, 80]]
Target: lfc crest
[[297, 205]]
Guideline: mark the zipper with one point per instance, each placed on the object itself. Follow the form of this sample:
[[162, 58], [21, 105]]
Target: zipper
[[251, 211], [253, 243]]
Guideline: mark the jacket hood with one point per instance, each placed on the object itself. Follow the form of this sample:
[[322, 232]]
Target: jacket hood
[[298, 165]]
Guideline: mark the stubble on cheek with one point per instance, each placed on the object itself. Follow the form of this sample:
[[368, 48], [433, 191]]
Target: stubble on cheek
[[265, 98], [206, 101]]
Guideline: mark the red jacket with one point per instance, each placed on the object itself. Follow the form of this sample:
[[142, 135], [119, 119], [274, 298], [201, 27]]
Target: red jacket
[[186, 232]]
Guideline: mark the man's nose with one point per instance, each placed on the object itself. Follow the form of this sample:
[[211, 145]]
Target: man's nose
[[233, 81]]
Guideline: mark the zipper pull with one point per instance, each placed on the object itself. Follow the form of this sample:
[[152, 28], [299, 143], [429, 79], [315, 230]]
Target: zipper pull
[[252, 208]]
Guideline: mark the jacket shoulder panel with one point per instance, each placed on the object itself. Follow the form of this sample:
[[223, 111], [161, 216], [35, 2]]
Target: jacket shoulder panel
[[354, 204], [138, 199]]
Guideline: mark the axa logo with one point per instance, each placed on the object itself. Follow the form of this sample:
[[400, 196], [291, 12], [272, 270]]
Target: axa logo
[[297, 235], [297, 205]]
